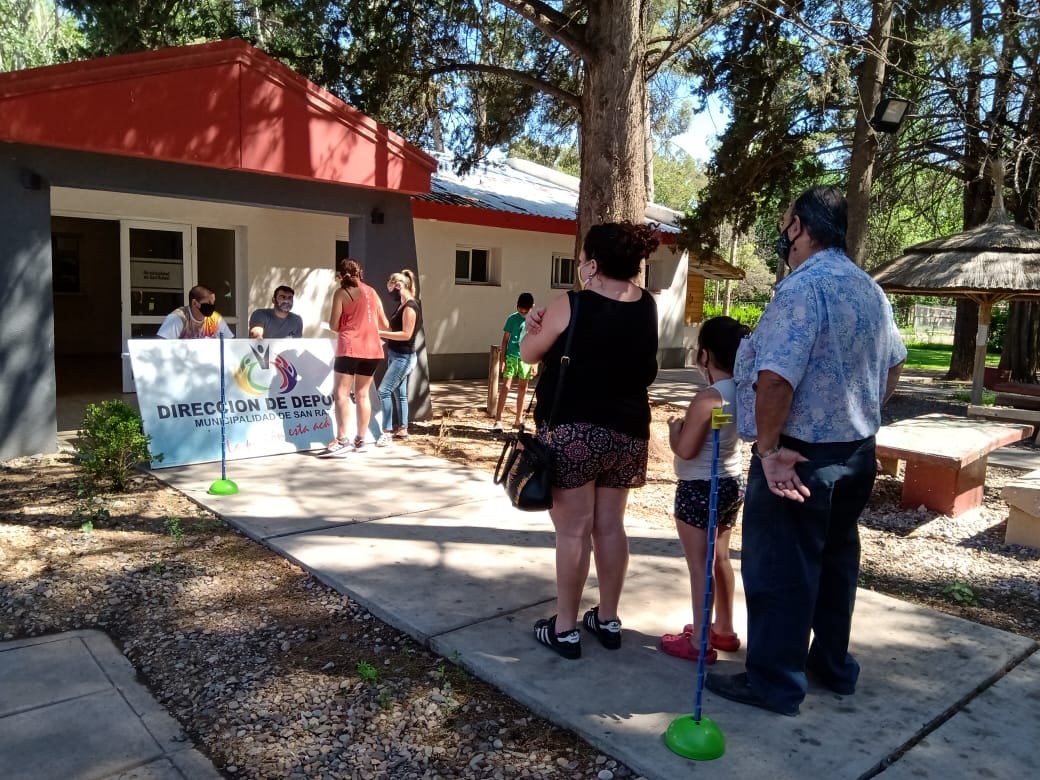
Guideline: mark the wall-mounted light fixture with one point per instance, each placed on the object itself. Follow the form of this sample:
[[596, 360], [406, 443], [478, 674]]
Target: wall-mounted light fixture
[[377, 216], [889, 114], [30, 180]]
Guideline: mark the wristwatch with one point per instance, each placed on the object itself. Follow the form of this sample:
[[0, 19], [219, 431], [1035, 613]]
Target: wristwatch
[[767, 453]]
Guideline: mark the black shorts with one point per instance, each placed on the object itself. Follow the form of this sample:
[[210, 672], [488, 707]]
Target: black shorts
[[359, 366], [692, 499]]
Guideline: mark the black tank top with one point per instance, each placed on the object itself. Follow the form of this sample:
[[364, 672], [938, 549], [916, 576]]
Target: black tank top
[[397, 323], [613, 362]]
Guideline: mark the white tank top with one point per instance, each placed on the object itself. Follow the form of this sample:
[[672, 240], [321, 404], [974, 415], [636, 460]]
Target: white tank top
[[699, 466]]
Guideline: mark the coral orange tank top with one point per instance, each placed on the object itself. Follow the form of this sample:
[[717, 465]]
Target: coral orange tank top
[[359, 326]]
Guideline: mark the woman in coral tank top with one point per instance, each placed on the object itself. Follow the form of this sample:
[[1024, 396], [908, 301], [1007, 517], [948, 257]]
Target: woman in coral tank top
[[357, 315]]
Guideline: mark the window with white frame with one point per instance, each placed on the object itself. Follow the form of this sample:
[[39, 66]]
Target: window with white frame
[[562, 271], [474, 265]]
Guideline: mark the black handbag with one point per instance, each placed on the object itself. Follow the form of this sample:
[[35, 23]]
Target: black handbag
[[525, 466]]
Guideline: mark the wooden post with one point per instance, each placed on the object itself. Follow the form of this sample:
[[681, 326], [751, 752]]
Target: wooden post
[[492, 394], [981, 338]]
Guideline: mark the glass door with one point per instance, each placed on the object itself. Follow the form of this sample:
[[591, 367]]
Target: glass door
[[158, 267]]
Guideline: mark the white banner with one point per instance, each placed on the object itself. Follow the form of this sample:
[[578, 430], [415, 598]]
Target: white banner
[[278, 397]]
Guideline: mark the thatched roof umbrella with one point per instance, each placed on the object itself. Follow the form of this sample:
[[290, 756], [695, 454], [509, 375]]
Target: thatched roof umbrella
[[996, 261]]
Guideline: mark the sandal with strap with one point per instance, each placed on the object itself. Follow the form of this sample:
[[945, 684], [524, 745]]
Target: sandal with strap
[[727, 643], [679, 646]]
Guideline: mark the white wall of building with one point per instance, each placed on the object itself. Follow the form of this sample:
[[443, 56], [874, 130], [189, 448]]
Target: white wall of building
[[466, 319]]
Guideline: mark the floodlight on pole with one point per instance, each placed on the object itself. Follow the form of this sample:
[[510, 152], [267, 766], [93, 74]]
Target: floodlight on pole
[[889, 114]]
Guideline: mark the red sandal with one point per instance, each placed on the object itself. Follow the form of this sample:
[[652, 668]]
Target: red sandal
[[678, 645], [727, 643]]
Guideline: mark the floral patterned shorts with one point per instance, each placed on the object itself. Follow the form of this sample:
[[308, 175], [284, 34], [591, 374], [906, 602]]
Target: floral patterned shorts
[[586, 453], [692, 499]]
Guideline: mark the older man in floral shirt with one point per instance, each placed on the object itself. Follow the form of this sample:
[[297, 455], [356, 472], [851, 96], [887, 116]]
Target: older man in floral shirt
[[811, 381]]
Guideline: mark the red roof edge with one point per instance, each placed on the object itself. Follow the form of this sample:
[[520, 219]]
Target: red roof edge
[[102, 105]]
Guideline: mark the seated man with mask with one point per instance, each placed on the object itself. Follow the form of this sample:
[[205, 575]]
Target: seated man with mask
[[198, 320]]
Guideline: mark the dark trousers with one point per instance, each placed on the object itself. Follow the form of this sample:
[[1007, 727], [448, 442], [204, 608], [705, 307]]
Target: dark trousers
[[800, 564]]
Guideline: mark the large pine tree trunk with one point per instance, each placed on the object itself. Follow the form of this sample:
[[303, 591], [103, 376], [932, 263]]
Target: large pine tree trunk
[[977, 197], [964, 332], [1021, 348], [865, 141], [613, 127]]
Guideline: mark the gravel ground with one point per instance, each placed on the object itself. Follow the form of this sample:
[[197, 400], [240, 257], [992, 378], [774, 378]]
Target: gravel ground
[[274, 675]]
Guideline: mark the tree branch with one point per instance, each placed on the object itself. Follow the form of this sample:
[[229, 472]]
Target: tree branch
[[682, 41], [564, 29], [568, 98]]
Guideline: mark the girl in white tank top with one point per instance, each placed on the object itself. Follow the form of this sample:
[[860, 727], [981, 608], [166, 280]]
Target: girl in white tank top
[[691, 442]]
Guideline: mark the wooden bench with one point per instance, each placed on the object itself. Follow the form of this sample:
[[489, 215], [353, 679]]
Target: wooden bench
[[1007, 414], [1018, 401], [1023, 497], [946, 458]]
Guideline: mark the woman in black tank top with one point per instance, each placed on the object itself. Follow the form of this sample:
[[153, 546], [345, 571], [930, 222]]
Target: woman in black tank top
[[601, 427], [400, 355]]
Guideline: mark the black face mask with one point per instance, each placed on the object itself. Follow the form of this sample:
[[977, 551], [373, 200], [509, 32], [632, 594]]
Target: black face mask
[[396, 295], [206, 309], [783, 246]]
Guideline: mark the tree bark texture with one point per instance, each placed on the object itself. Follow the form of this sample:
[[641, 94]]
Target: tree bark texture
[[865, 141], [613, 127], [964, 331], [977, 196], [1021, 348]]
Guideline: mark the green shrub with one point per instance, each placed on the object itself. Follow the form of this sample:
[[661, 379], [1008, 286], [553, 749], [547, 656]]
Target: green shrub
[[997, 328], [112, 442], [747, 314]]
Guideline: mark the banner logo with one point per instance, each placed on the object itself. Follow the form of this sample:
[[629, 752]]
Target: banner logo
[[254, 369]]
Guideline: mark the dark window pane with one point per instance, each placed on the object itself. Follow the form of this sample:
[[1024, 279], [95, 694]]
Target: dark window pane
[[342, 252], [160, 244], [461, 264], [480, 265]]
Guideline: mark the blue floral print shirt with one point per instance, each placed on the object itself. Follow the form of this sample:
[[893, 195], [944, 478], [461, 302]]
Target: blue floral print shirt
[[830, 333]]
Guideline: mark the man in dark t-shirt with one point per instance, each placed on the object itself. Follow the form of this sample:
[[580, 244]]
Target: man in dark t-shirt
[[278, 322]]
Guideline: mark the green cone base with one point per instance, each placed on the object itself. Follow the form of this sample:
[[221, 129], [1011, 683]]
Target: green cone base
[[223, 487], [698, 741]]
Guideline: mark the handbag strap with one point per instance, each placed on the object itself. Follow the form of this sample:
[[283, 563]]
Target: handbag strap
[[565, 359]]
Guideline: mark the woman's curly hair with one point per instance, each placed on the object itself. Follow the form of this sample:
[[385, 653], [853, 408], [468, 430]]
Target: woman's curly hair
[[619, 247], [350, 274]]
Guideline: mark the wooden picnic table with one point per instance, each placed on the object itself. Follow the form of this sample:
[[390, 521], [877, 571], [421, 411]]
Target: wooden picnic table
[[945, 456]]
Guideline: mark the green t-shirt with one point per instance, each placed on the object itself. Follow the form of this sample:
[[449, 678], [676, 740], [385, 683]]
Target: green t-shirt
[[515, 326]]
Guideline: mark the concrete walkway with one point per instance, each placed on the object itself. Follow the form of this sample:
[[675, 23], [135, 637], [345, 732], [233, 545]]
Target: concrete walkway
[[70, 707], [938, 697]]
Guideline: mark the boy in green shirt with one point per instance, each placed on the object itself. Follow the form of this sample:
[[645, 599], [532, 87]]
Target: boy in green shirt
[[510, 365]]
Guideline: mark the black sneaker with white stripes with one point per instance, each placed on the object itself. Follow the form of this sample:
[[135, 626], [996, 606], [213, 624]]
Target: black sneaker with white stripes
[[608, 634], [568, 644]]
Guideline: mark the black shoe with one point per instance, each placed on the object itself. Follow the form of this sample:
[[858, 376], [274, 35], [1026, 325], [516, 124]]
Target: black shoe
[[608, 634], [568, 645], [736, 687]]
